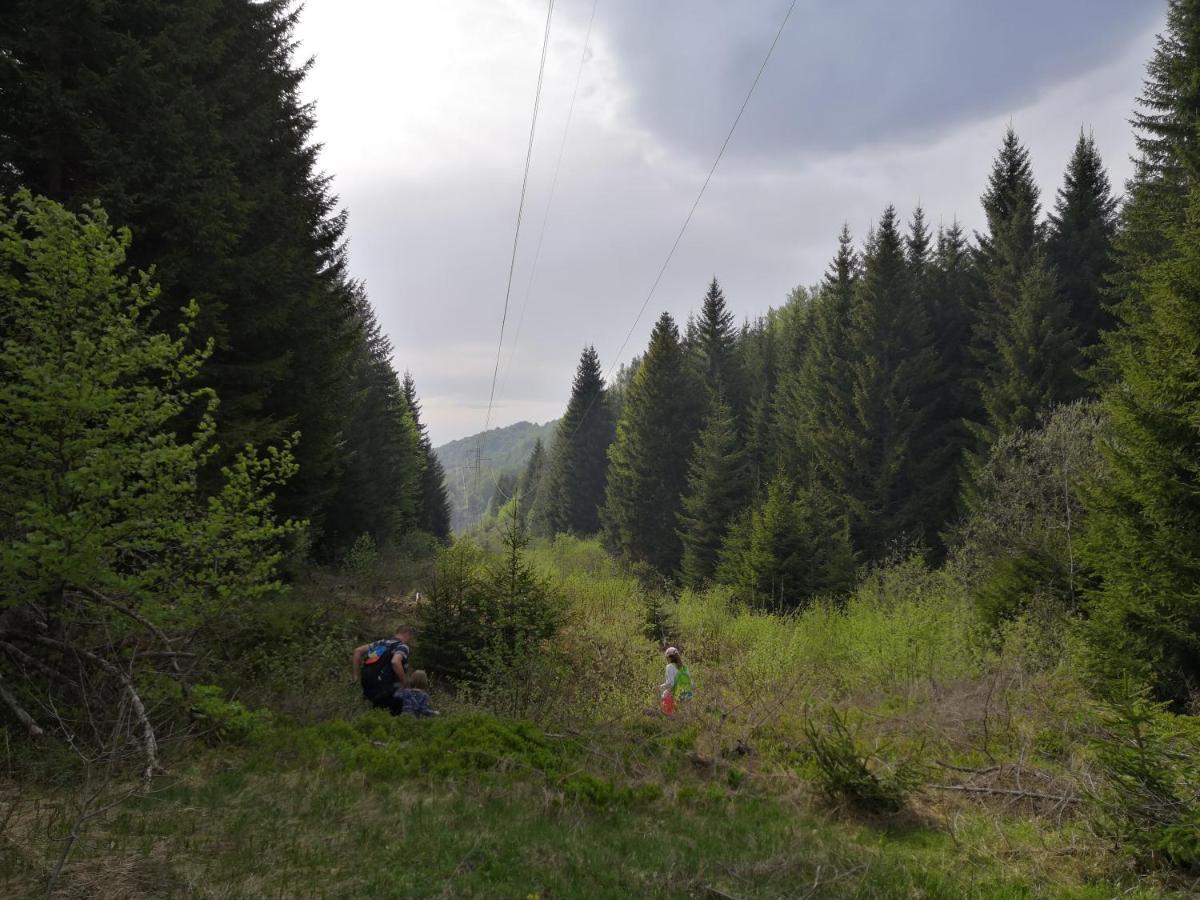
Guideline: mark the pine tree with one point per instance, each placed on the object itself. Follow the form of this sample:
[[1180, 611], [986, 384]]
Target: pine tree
[[1080, 244], [713, 342], [814, 398], [1016, 381], [1144, 518], [380, 479], [185, 119], [717, 490], [578, 465], [530, 482], [792, 547], [648, 460], [433, 508], [1169, 158]]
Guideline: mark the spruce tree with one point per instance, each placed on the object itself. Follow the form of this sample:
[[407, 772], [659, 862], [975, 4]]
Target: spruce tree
[[578, 465], [1144, 518], [713, 342], [433, 508], [717, 490], [1016, 380], [185, 119], [1037, 352], [1169, 158], [648, 460], [813, 399], [954, 287], [1145, 616], [887, 454], [530, 482], [1080, 245], [380, 476], [790, 548]]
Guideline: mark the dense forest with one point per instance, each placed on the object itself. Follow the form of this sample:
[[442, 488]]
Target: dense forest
[[923, 538], [184, 121]]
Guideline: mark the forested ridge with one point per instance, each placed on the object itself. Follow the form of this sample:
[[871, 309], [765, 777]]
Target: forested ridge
[[923, 538]]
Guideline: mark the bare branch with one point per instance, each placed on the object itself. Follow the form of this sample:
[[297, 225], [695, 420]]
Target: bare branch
[[1024, 795], [19, 711], [149, 741]]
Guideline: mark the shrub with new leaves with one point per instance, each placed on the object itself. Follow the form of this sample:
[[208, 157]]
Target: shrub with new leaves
[[114, 563]]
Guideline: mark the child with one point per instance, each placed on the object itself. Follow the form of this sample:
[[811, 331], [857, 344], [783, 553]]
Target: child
[[414, 698], [678, 686]]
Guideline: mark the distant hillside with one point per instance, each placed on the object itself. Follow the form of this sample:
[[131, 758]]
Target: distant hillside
[[503, 450]]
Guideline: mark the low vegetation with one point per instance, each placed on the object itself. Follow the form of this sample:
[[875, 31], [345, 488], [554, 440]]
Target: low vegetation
[[882, 745]]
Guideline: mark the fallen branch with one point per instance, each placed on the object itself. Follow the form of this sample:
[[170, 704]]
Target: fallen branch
[[989, 770], [149, 741], [19, 711], [1024, 795]]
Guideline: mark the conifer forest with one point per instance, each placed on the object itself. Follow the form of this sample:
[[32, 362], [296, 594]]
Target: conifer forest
[[915, 539]]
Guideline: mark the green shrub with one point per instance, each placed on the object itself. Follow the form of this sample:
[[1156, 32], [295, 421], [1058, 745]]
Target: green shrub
[[225, 721], [362, 563], [485, 623], [1149, 795], [862, 777]]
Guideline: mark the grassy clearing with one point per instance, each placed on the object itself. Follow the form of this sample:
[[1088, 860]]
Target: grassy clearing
[[591, 797], [481, 807]]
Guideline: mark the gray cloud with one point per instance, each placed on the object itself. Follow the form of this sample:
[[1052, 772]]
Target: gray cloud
[[848, 74]]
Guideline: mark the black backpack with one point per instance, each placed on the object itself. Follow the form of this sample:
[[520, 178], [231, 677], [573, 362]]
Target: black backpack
[[378, 676]]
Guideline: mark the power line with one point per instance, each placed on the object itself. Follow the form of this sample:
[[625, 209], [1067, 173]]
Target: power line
[[562, 150], [691, 212], [537, 102]]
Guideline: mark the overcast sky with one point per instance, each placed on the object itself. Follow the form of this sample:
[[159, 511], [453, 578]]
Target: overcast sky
[[424, 107]]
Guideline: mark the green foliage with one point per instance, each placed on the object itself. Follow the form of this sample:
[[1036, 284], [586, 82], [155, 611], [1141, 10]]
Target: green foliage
[[647, 468], [383, 475], [793, 546], [1024, 529], [570, 496], [186, 121], [1080, 242], [846, 771], [1149, 795], [1145, 616], [99, 501], [223, 721], [712, 342], [486, 621], [1025, 342], [813, 397], [530, 484], [434, 506], [362, 562], [717, 489]]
